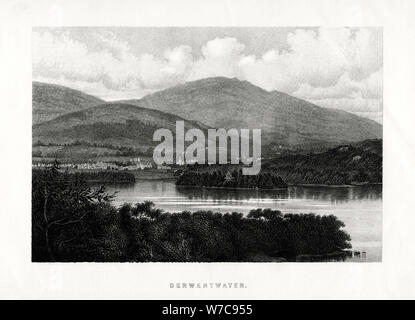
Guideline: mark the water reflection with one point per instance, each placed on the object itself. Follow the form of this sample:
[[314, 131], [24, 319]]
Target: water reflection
[[359, 207], [321, 193]]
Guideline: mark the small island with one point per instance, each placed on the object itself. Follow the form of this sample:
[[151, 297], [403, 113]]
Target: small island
[[228, 176]]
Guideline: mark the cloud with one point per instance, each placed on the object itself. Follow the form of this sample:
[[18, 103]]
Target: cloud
[[220, 57], [334, 67], [334, 62], [57, 55], [364, 97], [370, 87]]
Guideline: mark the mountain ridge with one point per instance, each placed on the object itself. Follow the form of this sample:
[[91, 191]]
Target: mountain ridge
[[88, 125], [230, 103], [287, 123], [51, 100]]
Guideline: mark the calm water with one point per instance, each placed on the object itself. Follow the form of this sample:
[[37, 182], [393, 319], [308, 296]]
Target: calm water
[[359, 207]]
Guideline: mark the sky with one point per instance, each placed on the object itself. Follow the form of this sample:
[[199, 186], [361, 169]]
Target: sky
[[332, 67]]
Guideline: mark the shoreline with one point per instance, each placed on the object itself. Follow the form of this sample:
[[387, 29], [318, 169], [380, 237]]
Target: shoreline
[[154, 175], [186, 186], [110, 181], [226, 188], [334, 185], [289, 185]]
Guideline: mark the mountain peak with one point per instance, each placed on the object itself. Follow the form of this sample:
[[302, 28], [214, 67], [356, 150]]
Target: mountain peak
[[222, 102], [222, 82]]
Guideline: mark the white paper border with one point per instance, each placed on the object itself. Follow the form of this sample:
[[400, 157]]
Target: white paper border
[[392, 278]]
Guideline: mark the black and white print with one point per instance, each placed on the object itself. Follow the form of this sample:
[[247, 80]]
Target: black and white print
[[106, 187]]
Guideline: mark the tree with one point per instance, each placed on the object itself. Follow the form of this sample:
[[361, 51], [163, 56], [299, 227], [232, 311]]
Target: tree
[[60, 200]]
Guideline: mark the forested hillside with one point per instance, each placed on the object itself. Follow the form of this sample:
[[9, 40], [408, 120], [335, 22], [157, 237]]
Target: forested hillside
[[348, 164]]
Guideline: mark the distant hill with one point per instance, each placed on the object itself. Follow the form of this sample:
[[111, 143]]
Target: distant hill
[[374, 146], [360, 163], [110, 125], [50, 101], [285, 120], [346, 164]]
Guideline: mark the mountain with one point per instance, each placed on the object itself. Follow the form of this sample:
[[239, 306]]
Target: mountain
[[105, 129], [50, 101], [285, 120], [64, 117]]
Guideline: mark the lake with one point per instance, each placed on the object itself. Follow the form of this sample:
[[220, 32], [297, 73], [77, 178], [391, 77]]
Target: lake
[[359, 207]]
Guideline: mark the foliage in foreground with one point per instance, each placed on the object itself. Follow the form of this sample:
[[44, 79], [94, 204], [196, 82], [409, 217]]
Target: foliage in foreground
[[74, 222]]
